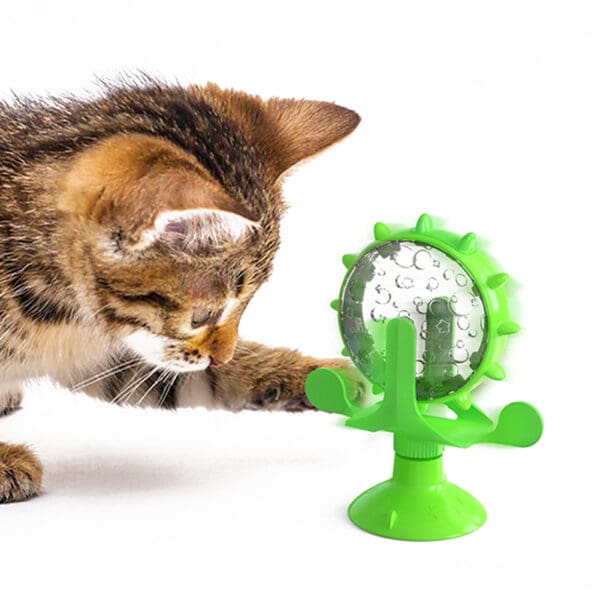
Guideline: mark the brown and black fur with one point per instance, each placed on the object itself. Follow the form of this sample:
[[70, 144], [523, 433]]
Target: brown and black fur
[[81, 181]]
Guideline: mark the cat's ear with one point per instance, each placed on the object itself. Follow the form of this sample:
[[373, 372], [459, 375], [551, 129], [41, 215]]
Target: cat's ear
[[287, 131], [298, 129], [197, 228], [190, 214]]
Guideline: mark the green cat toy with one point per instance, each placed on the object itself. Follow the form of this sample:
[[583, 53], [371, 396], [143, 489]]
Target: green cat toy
[[424, 316]]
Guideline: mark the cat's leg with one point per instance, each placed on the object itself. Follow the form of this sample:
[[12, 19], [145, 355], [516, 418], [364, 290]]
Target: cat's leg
[[20, 473], [10, 401], [259, 378], [20, 470]]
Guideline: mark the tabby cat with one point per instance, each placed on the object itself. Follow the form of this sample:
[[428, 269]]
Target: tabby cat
[[135, 228]]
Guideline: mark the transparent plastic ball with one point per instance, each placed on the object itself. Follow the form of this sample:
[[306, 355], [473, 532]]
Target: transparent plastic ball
[[424, 284]]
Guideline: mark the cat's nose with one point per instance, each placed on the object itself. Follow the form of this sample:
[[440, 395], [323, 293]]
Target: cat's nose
[[215, 363], [219, 346]]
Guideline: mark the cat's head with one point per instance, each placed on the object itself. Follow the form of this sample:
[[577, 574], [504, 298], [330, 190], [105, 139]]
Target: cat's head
[[182, 223]]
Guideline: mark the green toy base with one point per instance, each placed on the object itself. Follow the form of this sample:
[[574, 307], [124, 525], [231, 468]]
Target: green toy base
[[418, 503]]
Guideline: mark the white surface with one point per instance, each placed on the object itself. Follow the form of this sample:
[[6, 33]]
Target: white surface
[[485, 113]]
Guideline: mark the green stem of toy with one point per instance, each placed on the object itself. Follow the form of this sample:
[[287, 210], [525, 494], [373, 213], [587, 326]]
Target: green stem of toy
[[440, 323], [400, 409], [411, 472], [406, 447], [401, 354]]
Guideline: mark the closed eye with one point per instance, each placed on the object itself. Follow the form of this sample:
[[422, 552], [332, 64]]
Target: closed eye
[[149, 297], [200, 318], [152, 298]]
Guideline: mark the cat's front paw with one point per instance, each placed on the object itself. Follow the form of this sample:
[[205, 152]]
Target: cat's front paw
[[289, 396], [9, 402], [285, 390], [20, 473]]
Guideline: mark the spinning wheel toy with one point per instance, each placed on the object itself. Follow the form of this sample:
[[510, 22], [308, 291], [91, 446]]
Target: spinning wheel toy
[[424, 316]]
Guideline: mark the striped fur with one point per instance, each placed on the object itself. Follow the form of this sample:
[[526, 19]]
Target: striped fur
[[135, 227]]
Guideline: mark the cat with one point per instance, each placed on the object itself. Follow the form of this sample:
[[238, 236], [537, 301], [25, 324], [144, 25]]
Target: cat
[[135, 227]]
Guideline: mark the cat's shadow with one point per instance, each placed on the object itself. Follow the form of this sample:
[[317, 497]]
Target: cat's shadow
[[110, 475]]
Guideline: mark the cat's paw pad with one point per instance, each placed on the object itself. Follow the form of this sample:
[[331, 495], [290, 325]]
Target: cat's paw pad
[[286, 393], [281, 396], [267, 397], [20, 473], [298, 402]]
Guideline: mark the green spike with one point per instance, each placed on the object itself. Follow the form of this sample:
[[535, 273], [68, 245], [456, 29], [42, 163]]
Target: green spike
[[464, 401], [349, 260], [468, 243], [496, 372], [335, 304], [424, 224], [382, 232], [377, 390], [345, 352], [508, 328], [393, 519], [497, 280]]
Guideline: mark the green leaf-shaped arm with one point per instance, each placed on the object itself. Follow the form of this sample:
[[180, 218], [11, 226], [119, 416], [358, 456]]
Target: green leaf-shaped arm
[[335, 390], [519, 424]]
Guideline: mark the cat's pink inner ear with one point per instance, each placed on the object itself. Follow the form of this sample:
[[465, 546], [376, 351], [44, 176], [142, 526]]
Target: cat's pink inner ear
[[197, 228], [298, 129]]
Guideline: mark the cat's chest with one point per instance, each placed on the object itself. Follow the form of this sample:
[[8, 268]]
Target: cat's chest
[[57, 351]]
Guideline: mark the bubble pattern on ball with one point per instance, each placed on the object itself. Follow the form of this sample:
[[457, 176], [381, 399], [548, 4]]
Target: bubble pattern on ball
[[420, 282]]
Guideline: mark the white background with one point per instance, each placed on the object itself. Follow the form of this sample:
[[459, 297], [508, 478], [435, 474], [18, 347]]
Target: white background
[[483, 113]]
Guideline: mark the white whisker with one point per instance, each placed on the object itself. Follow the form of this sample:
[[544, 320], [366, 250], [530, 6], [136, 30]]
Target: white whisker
[[106, 373], [139, 383], [167, 389], [132, 383], [158, 380]]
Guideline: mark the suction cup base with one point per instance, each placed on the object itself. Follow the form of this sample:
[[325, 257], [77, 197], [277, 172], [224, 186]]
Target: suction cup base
[[418, 503]]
